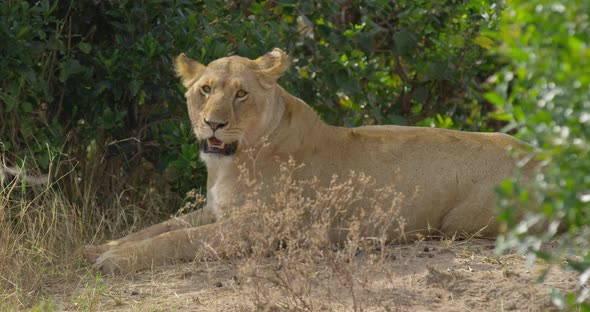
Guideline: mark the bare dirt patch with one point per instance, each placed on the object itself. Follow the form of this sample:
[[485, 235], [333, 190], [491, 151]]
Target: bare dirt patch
[[422, 276]]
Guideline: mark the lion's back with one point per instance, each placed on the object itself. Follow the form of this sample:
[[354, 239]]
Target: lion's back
[[424, 155]]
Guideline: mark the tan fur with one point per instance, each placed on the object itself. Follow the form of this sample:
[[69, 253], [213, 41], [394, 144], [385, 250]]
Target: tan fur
[[446, 177]]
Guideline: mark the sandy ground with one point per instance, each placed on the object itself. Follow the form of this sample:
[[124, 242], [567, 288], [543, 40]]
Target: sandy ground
[[423, 276]]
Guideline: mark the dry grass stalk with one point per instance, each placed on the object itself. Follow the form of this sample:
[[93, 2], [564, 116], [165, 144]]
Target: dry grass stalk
[[297, 230]]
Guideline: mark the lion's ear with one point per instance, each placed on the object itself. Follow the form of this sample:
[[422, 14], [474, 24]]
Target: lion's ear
[[272, 65], [188, 69]]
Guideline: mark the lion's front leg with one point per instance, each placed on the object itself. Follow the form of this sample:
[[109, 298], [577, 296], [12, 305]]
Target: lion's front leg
[[218, 240], [193, 219], [125, 258], [92, 252]]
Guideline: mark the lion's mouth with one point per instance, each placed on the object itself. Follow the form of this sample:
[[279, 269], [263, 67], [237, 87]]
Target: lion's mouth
[[215, 146]]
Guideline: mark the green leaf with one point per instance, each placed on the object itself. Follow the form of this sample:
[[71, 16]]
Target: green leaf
[[421, 94], [26, 129], [494, 98], [444, 122], [85, 47], [405, 42], [518, 113], [22, 32], [9, 101], [134, 86], [457, 41], [27, 107], [484, 42], [69, 68], [501, 116]]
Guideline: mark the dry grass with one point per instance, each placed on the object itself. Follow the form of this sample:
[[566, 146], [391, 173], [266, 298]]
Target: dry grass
[[287, 263], [297, 225], [42, 233]]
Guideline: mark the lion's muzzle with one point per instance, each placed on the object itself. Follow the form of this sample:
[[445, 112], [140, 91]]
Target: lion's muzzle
[[215, 146]]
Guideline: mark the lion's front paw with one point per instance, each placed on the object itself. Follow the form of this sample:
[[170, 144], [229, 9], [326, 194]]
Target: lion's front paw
[[92, 252], [118, 260]]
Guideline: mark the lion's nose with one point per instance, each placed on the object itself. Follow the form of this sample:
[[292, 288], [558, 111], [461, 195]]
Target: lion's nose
[[215, 125]]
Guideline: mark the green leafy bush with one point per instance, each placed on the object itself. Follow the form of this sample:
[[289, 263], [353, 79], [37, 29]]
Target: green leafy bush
[[92, 81], [545, 94]]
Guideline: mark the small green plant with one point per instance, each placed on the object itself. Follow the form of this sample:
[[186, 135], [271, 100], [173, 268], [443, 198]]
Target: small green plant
[[90, 297], [45, 305]]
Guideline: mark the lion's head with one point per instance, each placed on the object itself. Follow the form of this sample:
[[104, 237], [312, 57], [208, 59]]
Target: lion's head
[[232, 102]]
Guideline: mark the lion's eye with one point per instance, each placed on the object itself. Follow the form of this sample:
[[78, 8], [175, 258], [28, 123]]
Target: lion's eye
[[205, 90], [241, 94]]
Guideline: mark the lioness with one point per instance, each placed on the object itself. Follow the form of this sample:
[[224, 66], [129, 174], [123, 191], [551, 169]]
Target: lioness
[[243, 119]]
